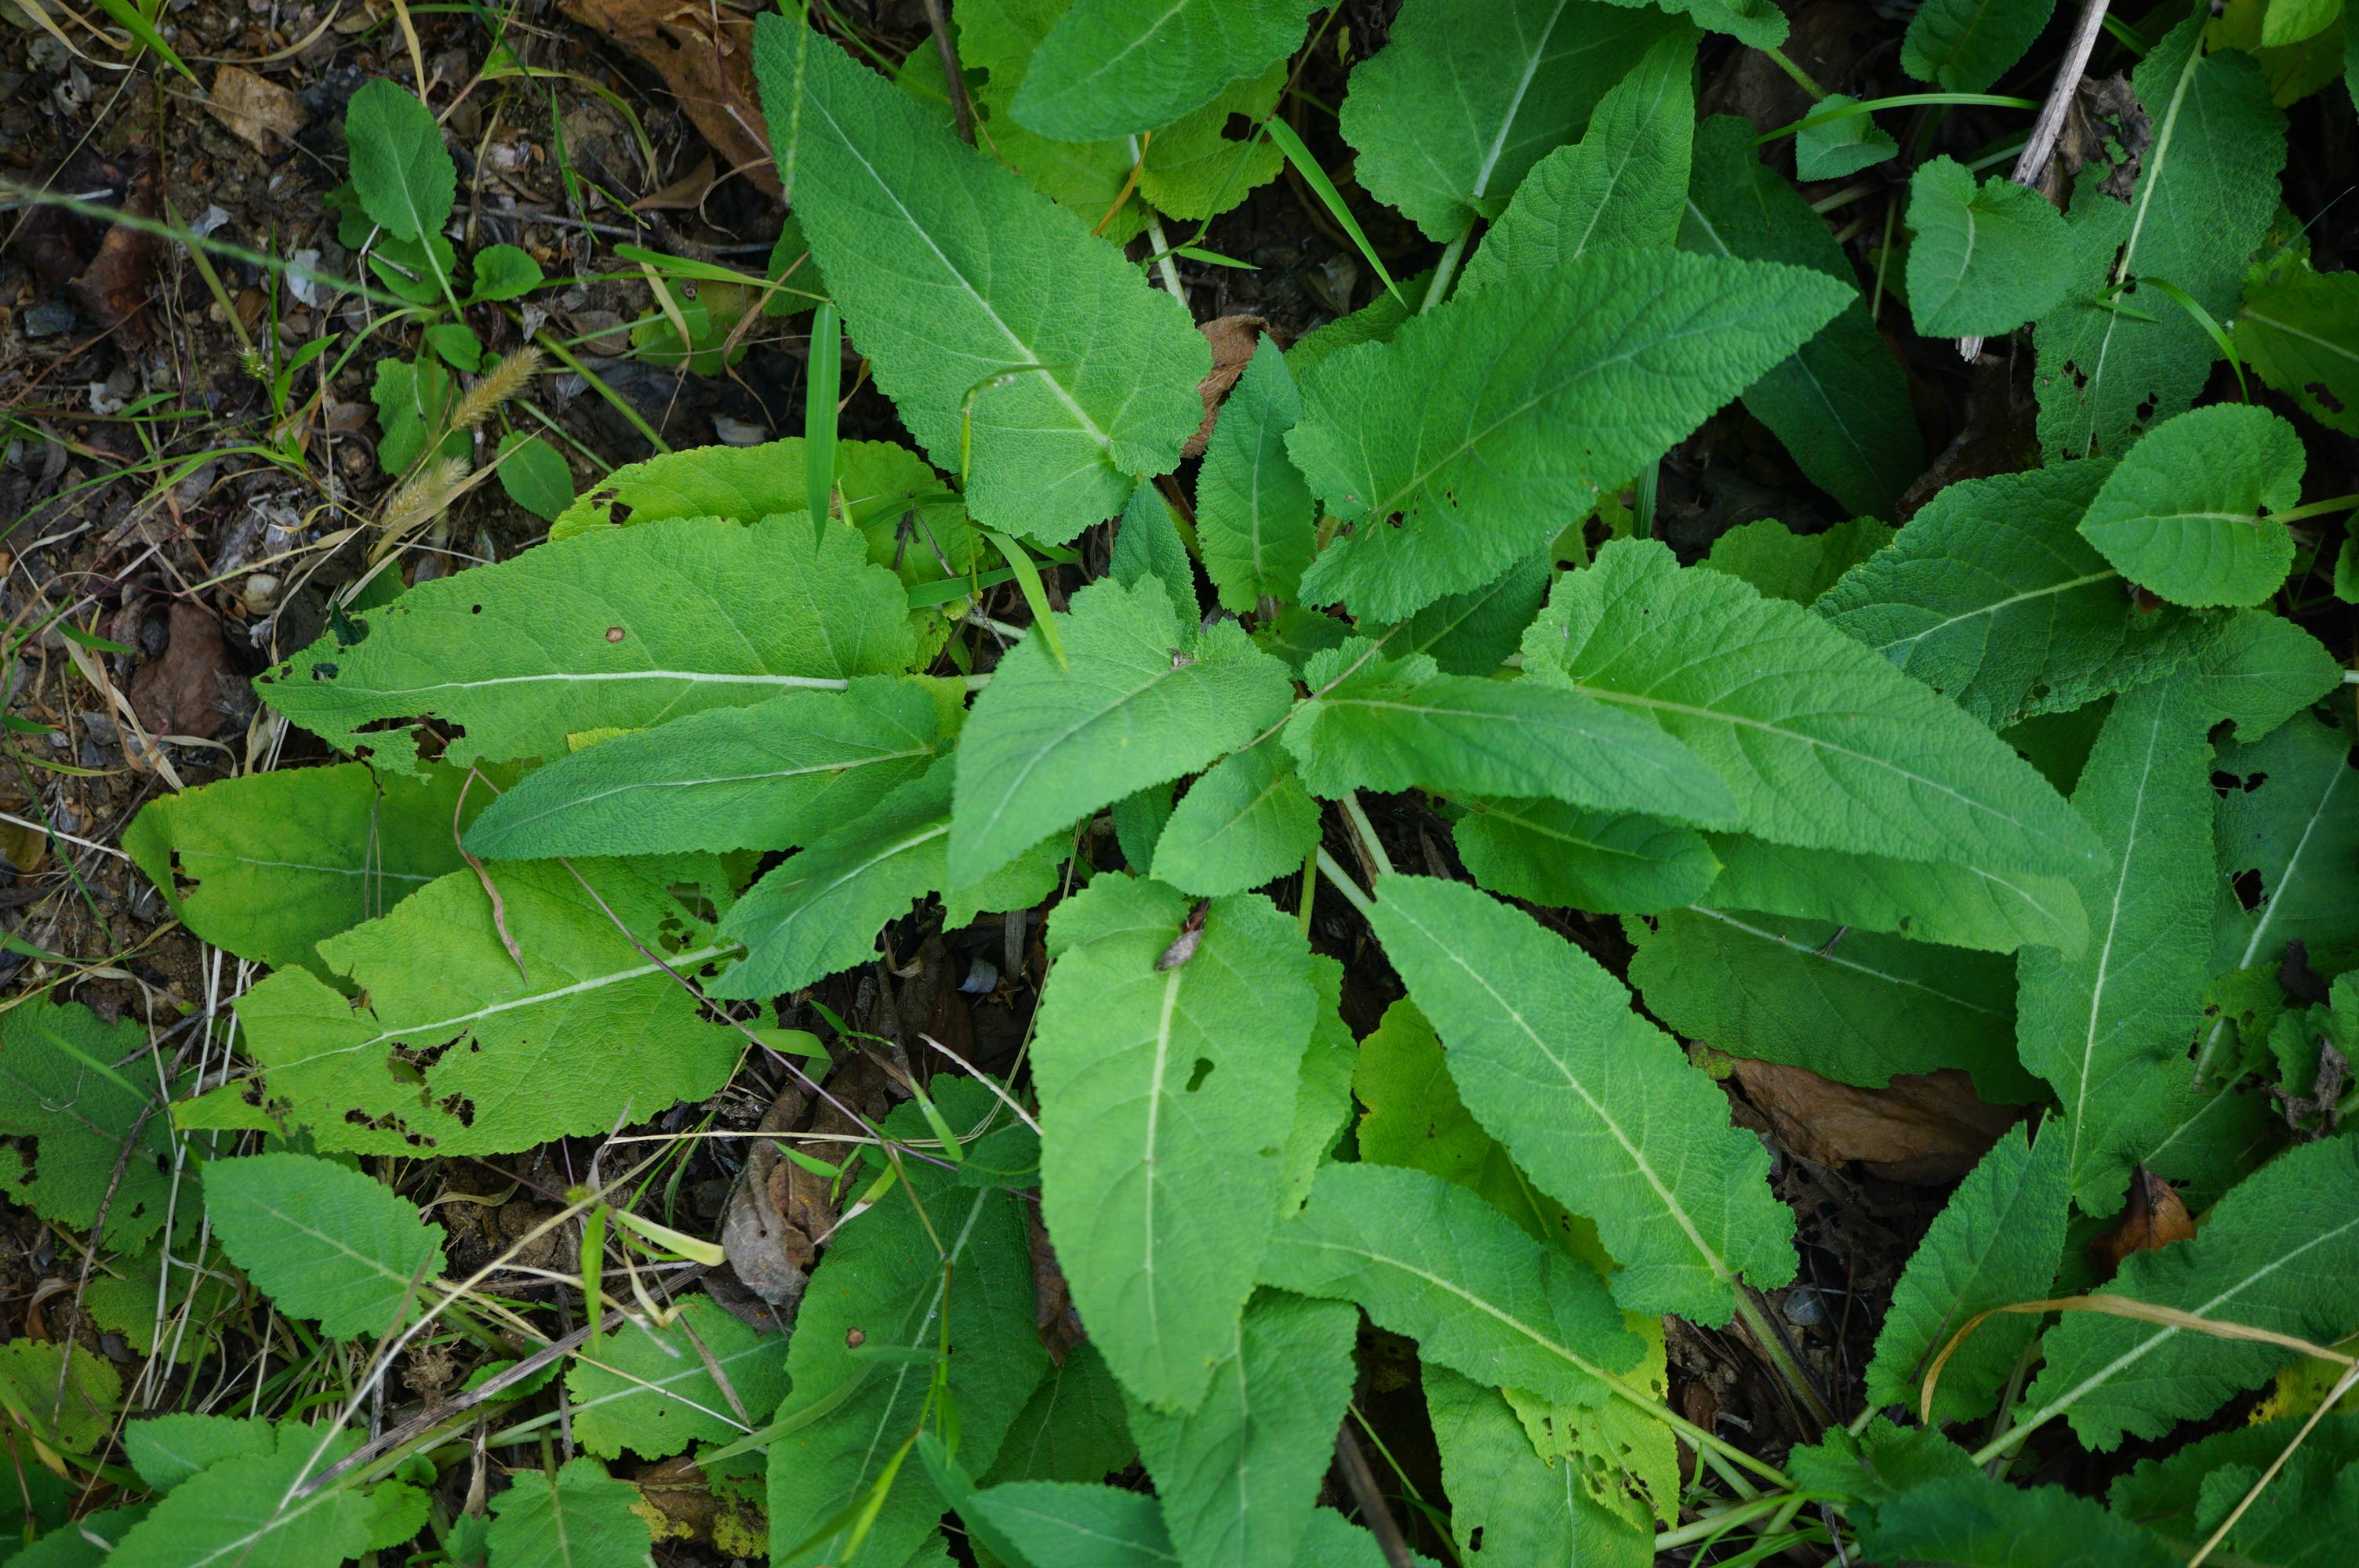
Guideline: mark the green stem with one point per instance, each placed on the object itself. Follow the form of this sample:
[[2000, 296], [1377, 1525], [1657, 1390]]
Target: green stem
[[1902, 100], [2318, 509], [1721, 1522], [1341, 882], [1773, 1346], [1367, 832], [1802, 77], [1444, 270]]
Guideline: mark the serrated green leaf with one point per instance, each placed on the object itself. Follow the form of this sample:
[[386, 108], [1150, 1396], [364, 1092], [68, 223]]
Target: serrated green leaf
[[452, 1050], [69, 1394], [1880, 1462], [1596, 1104], [2293, 819], [2206, 190], [1997, 1241], [2298, 330], [1974, 1522], [1527, 1509], [2283, 1528], [1991, 596], [1167, 1095], [324, 1241], [1140, 699], [2277, 1253], [1255, 514], [1431, 1260], [1465, 444], [2257, 670], [401, 173], [167, 1449], [1074, 1428], [1856, 1006], [1245, 823], [1394, 724], [1986, 258], [1068, 1526], [1960, 906], [1606, 862], [413, 405], [85, 1544], [59, 1087], [1108, 68], [1824, 745], [1466, 95], [610, 630], [772, 776], [578, 1518], [1782, 564], [1624, 184], [1966, 45], [1840, 402], [1239, 1473], [242, 1512], [646, 1390], [2185, 513], [883, 1276], [1147, 543], [1018, 347], [1839, 148], [267, 865], [504, 272], [1473, 632]]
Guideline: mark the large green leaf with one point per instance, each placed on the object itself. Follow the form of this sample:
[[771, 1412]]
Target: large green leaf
[[1466, 443], [1961, 906], [1966, 45], [1527, 1509], [2298, 330], [2293, 819], [324, 1241], [1247, 821], [1066, 1526], [1018, 347], [1255, 515], [1473, 632], [653, 1390], [1074, 1428], [1986, 258], [85, 1118], [1137, 700], [244, 1512], [579, 1517], [2278, 1253], [1167, 1079], [1840, 402], [617, 630], [2185, 514], [1596, 1104], [1112, 67], [1604, 861], [2282, 1527], [1976, 1521], [1825, 745]]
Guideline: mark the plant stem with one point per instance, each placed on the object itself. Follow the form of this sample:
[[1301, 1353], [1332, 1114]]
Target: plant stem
[[1343, 883], [2318, 508], [1801, 77], [1363, 1483], [1773, 1346], [1444, 270], [1720, 1521], [1371, 848]]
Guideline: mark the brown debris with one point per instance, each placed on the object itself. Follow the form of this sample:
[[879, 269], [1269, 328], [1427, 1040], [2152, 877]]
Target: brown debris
[[258, 112], [1925, 1128], [188, 690], [705, 55], [777, 1213], [1234, 339], [2152, 1219]]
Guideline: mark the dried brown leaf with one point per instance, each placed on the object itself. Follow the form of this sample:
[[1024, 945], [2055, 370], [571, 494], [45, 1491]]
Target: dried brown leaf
[[1925, 1129]]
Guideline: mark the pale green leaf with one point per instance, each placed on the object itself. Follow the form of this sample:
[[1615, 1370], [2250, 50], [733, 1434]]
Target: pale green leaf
[[1782, 564], [2298, 332], [1986, 258], [617, 630], [1624, 184], [86, 1542], [1997, 1241], [1840, 402], [1147, 543], [1466, 95], [1430, 1259], [578, 1518], [1595, 1103], [504, 272], [1333, 1541], [1017, 348], [1254, 512], [2290, 21], [1839, 148], [59, 1087], [1323, 1098], [1140, 699], [1528, 1510], [1824, 745], [1960, 906], [324, 1241], [1239, 1473], [649, 1390], [1976, 1521], [1112, 67], [1856, 1006], [401, 173], [1465, 444], [70, 1392], [1167, 1095], [535, 475], [243, 1512], [1245, 823], [1603, 861], [1389, 725], [2185, 513], [1967, 45]]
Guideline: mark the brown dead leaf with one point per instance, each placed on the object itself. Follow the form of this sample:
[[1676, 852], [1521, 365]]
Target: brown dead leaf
[[777, 1213], [2152, 1219], [185, 690], [682, 195], [255, 109], [1053, 1315], [106, 268], [1234, 339], [705, 55], [1925, 1128]]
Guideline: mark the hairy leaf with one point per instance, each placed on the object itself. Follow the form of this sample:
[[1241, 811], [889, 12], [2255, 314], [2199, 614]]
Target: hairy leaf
[[1986, 258], [2283, 1527], [2257, 670], [168, 1449], [2292, 819], [2298, 330], [401, 173], [1255, 514], [1074, 1428], [1473, 632], [2184, 515], [1960, 906], [1111, 67], [1839, 148], [652, 1392], [324, 1241], [1966, 45], [1782, 564], [239, 1513], [1243, 823], [1607, 862], [1528, 1509], [1974, 1522], [1066, 1526], [87, 1119], [577, 1517], [1323, 1097]]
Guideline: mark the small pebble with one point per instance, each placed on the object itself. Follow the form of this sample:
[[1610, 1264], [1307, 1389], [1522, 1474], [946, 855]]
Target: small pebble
[[48, 319]]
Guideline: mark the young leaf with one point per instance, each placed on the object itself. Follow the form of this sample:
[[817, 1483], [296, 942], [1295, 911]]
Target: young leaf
[[1854, 1006], [1603, 861], [1004, 332], [326, 1242], [1239, 1473], [1967, 45], [1254, 513], [1147, 543], [1991, 596], [246, 1510], [1974, 1522], [1245, 823], [1782, 564], [1430, 1259], [2207, 189], [59, 1087], [1136, 701], [2298, 330], [651, 1390], [1825, 745], [1596, 1104], [578, 1518], [771, 776], [1840, 402], [1166, 1084], [1390, 725], [1960, 906], [2184, 515], [608, 631], [595, 1031], [267, 865], [1986, 258], [2109, 1028], [504, 272], [1623, 184], [1997, 1241], [1839, 148], [401, 173], [1525, 1509], [1466, 95], [1462, 446], [748, 483], [1108, 68]]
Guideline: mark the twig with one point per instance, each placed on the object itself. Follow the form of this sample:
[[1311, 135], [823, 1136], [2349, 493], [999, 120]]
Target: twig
[[1354, 1462], [960, 107]]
